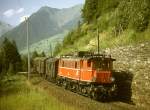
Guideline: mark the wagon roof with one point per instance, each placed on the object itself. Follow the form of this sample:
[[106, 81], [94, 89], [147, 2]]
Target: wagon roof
[[51, 59], [40, 58]]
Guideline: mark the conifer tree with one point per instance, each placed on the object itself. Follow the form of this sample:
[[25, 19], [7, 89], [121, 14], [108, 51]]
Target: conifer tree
[[11, 56], [34, 54], [43, 54], [89, 10]]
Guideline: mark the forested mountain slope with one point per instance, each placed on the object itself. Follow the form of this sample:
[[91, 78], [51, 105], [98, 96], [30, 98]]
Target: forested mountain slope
[[120, 22], [123, 27]]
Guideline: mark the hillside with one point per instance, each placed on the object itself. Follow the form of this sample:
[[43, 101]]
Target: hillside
[[119, 22], [123, 27], [4, 27], [46, 22], [45, 45], [134, 59]]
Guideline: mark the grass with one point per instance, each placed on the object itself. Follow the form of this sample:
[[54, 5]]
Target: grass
[[89, 42], [16, 94]]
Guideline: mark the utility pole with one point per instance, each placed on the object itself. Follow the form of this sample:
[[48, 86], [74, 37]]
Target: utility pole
[[98, 40], [27, 33], [51, 50]]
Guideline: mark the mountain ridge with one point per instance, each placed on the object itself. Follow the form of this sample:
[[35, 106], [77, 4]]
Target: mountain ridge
[[4, 27], [44, 23]]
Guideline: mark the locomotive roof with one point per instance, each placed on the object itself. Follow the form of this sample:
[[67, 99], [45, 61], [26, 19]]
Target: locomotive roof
[[86, 55], [89, 57]]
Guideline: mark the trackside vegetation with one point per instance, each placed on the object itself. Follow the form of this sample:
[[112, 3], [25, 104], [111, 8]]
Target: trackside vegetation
[[17, 94], [120, 22]]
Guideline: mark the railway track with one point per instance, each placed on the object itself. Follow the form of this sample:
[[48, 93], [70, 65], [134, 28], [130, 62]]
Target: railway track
[[81, 102]]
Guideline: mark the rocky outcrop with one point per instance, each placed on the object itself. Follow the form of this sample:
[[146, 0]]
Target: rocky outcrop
[[136, 60]]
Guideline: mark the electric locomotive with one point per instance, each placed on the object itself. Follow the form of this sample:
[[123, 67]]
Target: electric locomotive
[[88, 74], [85, 73]]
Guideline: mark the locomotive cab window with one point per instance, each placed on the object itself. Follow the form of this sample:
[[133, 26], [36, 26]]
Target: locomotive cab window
[[102, 65], [105, 65], [97, 64]]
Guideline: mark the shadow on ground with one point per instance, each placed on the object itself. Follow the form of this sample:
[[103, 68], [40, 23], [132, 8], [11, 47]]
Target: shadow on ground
[[124, 82]]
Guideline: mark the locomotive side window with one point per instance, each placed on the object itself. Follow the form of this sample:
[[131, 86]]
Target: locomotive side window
[[75, 64], [88, 63], [81, 64], [62, 63]]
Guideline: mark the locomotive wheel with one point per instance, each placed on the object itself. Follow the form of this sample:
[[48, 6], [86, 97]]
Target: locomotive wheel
[[46, 76], [94, 95], [103, 97], [80, 89], [65, 85], [59, 83]]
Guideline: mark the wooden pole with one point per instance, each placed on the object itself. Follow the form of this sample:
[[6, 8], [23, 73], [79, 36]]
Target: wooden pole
[[98, 40], [27, 31]]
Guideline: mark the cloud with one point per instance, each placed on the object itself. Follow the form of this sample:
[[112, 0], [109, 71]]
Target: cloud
[[9, 13], [22, 19], [12, 12], [20, 10]]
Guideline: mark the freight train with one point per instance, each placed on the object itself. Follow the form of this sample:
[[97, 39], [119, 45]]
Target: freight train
[[85, 73]]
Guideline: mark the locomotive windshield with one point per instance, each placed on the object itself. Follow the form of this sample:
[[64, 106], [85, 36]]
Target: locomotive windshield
[[102, 65]]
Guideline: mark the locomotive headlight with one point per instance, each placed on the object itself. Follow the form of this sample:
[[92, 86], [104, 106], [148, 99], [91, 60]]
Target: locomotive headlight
[[112, 79]]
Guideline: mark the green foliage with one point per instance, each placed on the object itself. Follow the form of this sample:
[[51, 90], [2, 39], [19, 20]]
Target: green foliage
[[1, 62], [95, 8], [140, 14], [89, 10], [11, 69], [120, 22], [73, 36], [11, 59], [24, 63], [128, 13], [34, 54], [58, 48], [42, 54], [133, 14], [16, 94]]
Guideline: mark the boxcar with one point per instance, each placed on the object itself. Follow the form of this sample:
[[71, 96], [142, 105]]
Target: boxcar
[[39, 64], [51, 68]]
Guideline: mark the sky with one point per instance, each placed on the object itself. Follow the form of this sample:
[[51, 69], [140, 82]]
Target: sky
[[14, 11]]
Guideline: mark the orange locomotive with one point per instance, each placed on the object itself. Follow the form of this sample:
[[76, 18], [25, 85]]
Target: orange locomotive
[[84, 73], [88, 74]]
